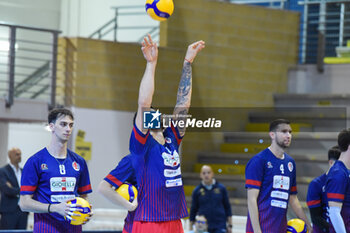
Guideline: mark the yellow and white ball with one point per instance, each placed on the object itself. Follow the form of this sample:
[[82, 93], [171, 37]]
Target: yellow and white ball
[[159, 9], [84, 211], [296, 226], [128, 191]]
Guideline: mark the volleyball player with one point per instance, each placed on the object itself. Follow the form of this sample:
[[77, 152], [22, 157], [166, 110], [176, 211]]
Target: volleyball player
[[316, 196], [161, 202], [271, 184], [52, 177], [124, 172], [338, 187]]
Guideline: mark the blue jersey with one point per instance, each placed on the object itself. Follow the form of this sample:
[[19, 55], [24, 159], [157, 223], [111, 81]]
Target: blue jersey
[[316, 197], [52, 180], [338, 190], [276, 180], [124, 172], [161, 194]]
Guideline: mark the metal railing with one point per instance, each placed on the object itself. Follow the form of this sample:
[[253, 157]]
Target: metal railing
[[326, 25], [144, 25], [28, 63], [269, 3]]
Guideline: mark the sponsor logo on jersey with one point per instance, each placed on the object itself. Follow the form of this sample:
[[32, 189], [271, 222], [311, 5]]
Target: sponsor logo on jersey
[[171, 160], [281, 182], [269, 165], [168, 140], [279, 194], [62, 184], [173, 183], [279, 204], [172, 173], [290, 166], [76, 166], [44, 166], [61, 198]]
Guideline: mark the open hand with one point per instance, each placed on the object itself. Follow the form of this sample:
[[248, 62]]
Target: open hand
[[193, 49], [65, 209], [149, 49]]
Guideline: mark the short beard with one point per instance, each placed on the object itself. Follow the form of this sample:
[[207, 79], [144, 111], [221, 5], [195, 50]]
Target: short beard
[[282, 145]]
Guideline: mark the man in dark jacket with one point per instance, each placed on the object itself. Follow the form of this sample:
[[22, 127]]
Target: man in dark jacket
[[10, 178], [211, 199]]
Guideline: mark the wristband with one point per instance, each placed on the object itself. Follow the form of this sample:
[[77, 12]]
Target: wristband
[[48, 208]]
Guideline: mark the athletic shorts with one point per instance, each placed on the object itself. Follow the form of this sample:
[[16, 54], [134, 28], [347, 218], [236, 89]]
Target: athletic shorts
[[45, 223], [158, 227]]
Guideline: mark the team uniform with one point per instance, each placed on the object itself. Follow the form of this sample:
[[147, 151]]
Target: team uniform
[[124, 172], [276, 180], [338, 190], [161, 196], [214, 204], [52, 180], [316, 197]]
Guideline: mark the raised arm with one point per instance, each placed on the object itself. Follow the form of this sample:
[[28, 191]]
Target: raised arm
[[150, 52], [184, 92]]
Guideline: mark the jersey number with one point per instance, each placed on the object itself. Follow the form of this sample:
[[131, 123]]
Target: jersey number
[[282, 168], [62, 169]]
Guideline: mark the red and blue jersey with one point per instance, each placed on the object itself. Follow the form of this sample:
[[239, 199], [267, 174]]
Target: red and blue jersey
[[338, 190], [52, 180], [316, 197], [124, 172], [276, 180], [161, 195]]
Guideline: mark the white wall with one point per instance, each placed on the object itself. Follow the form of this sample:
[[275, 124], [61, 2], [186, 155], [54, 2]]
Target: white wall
[[305, 79], [3, 142], [36, 13], [29, 137], [109, 131]]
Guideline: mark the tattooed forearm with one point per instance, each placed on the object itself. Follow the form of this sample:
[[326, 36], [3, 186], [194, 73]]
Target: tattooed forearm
[[184, 96], [185, 86]]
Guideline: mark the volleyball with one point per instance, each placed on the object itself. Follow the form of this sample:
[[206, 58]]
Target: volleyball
[[159, 9], [296, 226], [84, 211], [128, 191]]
